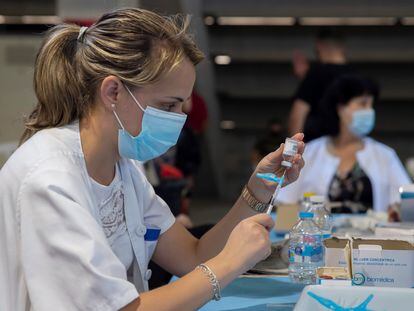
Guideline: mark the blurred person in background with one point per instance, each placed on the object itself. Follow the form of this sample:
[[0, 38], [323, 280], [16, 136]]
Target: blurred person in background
[[79, 221], [188, 154], [197, 110], [305, 115], [356, 173]]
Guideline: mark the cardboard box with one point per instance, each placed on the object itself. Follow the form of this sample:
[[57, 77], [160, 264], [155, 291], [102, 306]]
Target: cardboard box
[[333, 276], [287, 217], [375, 261], [395, 229]]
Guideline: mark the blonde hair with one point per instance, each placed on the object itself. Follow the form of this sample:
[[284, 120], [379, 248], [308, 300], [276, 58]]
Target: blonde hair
[[135, 45]]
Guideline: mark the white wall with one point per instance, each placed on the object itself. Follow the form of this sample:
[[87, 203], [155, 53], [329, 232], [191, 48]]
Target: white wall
[[17, 55]]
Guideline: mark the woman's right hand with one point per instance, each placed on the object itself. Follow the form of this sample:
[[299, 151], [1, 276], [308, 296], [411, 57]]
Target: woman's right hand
[[249, 242]]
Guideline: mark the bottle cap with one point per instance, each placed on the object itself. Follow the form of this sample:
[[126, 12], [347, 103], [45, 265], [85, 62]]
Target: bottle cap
[[286, 164], [303, 215], [309, 194], [320, 199]]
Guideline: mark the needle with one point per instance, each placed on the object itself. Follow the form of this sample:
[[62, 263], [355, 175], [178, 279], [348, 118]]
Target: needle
[[279, 180]]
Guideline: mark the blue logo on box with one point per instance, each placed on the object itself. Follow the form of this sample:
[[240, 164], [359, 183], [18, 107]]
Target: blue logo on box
[[358, 279]]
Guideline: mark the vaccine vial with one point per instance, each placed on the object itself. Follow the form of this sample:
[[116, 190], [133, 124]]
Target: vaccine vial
[[289, 151]]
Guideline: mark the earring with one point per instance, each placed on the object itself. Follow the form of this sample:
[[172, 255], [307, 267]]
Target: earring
[[113, 106]]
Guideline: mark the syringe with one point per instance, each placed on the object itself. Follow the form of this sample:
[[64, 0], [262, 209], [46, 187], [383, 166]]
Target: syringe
[[289, 151], [279, 180], [275, 194]]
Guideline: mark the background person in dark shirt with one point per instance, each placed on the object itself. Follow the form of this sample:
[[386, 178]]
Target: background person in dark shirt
[[305, 115]]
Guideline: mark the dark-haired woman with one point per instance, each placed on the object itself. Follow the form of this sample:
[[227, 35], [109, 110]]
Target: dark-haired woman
[[356, 173]]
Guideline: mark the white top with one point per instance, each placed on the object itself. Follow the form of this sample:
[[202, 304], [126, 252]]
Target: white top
[[379, 162], [54, 254], [110, 201]]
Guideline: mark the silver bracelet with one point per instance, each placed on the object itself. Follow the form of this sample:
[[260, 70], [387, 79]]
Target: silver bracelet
[[253, 203], [213, 280]]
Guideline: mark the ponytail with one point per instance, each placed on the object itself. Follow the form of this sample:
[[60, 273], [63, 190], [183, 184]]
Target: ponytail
[[55, 82]]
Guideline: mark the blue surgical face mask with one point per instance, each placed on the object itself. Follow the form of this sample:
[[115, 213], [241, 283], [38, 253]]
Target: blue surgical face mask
[[363, 122], [159, 132]]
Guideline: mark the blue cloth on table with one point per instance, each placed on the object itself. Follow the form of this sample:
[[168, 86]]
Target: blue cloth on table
[[269, 293]]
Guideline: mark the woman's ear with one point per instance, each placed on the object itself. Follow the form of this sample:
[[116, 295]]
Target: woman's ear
[[109, 91]]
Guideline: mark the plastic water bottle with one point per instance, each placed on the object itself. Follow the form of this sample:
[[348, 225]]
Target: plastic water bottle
[[321, 217], [306, 252], [306, 203]]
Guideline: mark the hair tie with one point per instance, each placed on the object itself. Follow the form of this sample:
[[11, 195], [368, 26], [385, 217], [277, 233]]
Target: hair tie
[[82, 32]]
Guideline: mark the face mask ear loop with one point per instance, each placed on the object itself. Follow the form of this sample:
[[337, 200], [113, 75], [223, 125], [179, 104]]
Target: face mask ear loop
[[117, 118], [133, 97]]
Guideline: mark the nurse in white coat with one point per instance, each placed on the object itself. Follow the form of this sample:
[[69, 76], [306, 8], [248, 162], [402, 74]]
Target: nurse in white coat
[[78, 220], [355, 172]]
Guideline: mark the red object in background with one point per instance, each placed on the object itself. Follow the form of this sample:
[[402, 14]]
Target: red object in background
[[80, 22], [197, 118], [170, 172]]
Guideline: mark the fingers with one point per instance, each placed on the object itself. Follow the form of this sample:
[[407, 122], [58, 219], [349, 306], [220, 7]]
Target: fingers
[[263, 219], [298, 161], [298, 136], [294, 171], [301, 145]]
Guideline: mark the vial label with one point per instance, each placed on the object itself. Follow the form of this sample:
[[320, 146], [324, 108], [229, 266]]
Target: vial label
[[291, 147]]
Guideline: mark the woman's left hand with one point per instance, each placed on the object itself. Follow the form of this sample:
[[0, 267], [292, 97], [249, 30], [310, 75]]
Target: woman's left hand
[[263, 189]]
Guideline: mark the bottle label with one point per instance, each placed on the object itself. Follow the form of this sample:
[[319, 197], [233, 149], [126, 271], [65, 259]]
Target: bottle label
[[309, 251]]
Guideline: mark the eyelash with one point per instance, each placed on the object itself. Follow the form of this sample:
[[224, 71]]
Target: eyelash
[[170, 106]]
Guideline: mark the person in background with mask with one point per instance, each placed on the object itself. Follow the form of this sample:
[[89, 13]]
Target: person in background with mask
[[79, 221], [305, 115], [353, 171]]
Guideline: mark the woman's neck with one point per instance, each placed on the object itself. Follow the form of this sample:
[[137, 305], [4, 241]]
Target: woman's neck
[[346, 142], [99, 149]]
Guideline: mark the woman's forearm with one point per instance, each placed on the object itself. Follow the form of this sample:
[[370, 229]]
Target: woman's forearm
[[215, 239], [189, 292]]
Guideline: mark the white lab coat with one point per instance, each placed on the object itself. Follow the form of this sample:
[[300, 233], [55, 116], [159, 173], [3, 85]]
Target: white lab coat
[[380, 163], [53, 252]]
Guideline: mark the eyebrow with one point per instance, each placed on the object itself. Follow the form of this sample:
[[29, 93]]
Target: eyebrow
[[180, 99], [176, 98]]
